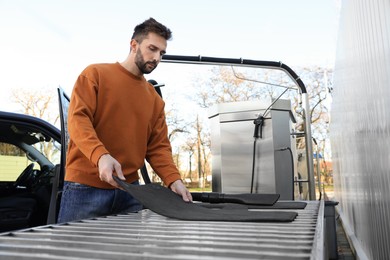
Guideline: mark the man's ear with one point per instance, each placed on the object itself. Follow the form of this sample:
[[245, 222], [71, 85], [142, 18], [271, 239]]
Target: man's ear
[[133, 45]]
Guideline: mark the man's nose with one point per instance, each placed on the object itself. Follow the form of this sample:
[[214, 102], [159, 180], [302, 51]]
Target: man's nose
[[157, 57]]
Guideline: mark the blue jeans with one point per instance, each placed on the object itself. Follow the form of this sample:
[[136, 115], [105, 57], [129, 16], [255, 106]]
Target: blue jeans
[[82, 202]]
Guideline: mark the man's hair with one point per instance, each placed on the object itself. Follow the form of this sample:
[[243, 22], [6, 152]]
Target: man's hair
[[151, 26]]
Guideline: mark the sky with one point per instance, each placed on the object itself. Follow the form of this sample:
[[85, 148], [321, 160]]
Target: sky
[[47, 43]]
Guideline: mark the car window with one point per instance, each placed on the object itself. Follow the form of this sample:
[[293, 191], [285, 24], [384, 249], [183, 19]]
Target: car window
[[50, 149], [13, 161]]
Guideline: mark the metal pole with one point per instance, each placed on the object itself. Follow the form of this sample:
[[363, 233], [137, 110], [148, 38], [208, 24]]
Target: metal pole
[[318, 171], [309, 146]]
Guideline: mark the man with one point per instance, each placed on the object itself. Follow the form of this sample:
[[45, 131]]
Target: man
[[116, 120]]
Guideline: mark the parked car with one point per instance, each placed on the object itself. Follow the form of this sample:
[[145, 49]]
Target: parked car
[[30, 150]]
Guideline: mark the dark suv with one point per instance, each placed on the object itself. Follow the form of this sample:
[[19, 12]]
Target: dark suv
[[30, 149], [31, 175]]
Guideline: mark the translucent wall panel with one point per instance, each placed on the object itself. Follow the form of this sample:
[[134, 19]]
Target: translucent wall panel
[[360, 124]]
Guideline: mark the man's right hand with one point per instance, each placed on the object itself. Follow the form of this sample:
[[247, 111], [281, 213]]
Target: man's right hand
[[107, 166]]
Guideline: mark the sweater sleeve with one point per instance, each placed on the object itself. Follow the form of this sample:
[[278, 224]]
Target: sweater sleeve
[[81, 117], [159, 152]]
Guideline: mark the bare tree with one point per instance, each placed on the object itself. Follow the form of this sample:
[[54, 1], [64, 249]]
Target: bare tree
[[230, 84], [189, 146], [39, 103], [175, 124], [197, 147], [203, 152], [319, 85]]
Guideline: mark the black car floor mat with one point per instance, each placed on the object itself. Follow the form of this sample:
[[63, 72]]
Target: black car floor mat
[[277, 205], [243, 198], [165, 202], [282, 205]]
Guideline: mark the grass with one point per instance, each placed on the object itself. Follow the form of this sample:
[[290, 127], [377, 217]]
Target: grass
[[208, 189]]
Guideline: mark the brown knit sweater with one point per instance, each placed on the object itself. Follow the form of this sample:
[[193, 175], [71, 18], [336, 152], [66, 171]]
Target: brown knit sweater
[[113, 111]]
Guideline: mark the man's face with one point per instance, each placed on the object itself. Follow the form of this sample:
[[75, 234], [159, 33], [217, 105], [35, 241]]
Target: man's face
[[149, 52]]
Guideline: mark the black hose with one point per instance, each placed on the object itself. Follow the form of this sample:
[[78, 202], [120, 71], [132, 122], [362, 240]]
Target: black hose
[[253, 162]]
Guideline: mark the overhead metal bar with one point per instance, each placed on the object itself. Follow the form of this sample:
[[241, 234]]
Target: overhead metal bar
[[238, 62]]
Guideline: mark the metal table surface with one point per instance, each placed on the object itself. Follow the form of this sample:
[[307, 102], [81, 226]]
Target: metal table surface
[[146, 235]]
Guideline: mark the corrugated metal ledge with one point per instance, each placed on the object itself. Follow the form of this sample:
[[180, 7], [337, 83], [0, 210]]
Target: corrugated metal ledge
[[146, 235]]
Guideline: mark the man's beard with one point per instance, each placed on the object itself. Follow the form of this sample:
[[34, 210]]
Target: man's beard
[[142, 65]]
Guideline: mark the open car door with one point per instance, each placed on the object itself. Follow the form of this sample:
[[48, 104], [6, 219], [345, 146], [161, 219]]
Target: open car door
[[58, 180]]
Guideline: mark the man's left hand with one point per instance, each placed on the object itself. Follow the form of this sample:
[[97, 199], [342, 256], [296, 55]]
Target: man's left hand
[[179, 188]]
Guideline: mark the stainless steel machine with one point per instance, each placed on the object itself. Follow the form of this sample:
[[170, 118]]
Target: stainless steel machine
[[236, 155]]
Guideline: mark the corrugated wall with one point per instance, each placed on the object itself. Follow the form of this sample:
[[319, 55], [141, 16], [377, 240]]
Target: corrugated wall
[[360, 125]]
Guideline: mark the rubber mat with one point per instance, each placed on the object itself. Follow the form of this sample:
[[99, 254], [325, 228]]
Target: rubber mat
[[165, 202], [277, 205], [243, 198], [282, 205], [228, 206]]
